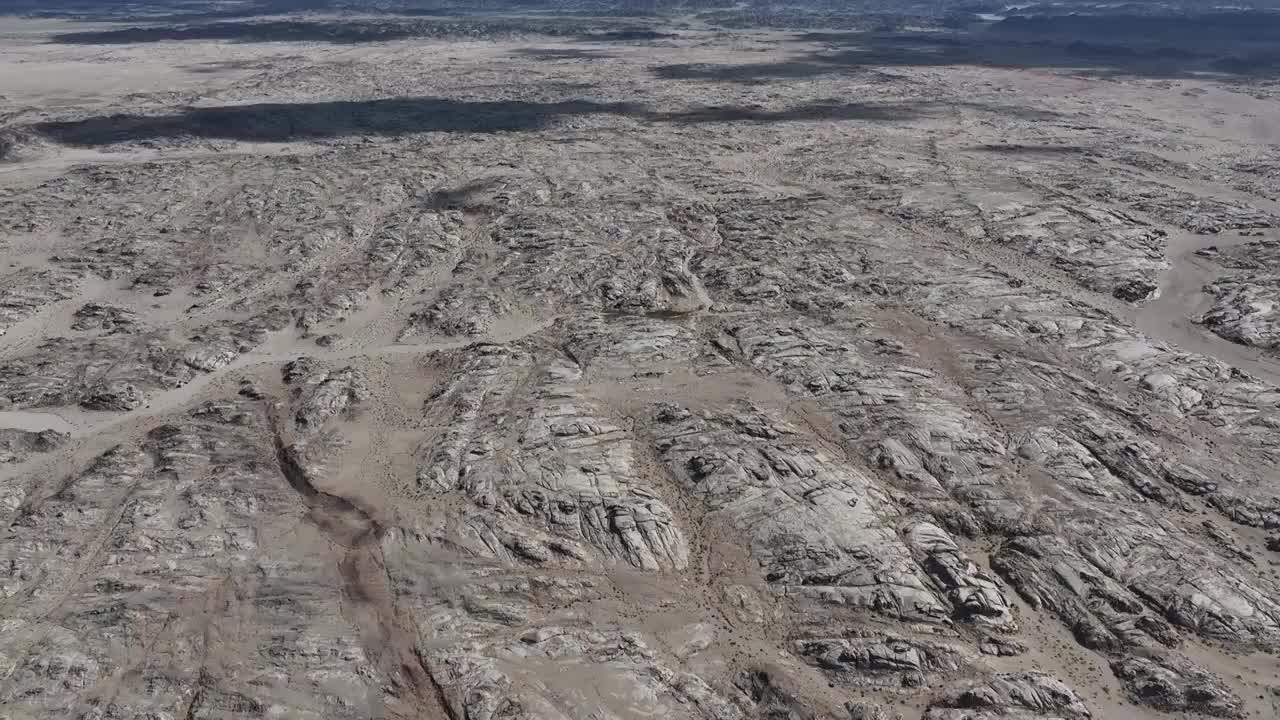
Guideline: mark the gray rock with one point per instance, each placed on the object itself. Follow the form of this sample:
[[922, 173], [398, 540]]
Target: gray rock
[[884, 661], [1245, 310], [16, 445], [118, 396], [328, 394], [769, 700], [1172, 684], [1016, 695], [108, 319]]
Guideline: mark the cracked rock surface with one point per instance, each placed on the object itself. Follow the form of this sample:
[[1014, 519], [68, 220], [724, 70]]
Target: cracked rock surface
[[595, 368]]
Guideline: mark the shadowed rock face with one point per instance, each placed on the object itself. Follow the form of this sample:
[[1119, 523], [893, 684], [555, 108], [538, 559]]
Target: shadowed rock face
[[1170, 685], [632, 369]]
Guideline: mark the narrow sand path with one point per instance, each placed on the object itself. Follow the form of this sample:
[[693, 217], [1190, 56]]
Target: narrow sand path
[[84, 425], [34, 421]]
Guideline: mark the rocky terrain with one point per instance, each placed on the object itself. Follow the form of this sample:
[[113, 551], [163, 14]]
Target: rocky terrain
[[490, 367]]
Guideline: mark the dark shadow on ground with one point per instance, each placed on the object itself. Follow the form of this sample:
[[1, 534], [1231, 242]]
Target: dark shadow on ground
[[345, 31], [627, 35], [1242, 45], [562, 54], [157, 10], [401, 116], [274, 122], [1148, 29], [861, 36], [1017, 149], [825, 110], [748, 74], [833, 109], [187, 11], [217, 66], [457, 198], [354, 31]]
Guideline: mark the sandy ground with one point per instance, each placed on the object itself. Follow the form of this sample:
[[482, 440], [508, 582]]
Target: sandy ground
[[608, 165]]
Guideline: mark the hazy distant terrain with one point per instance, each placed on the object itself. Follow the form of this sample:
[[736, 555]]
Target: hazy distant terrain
[[639, 360]]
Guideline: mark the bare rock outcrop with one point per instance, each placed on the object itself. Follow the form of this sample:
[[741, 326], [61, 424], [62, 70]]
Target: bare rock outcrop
[[1175, 685], [527, 367]]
